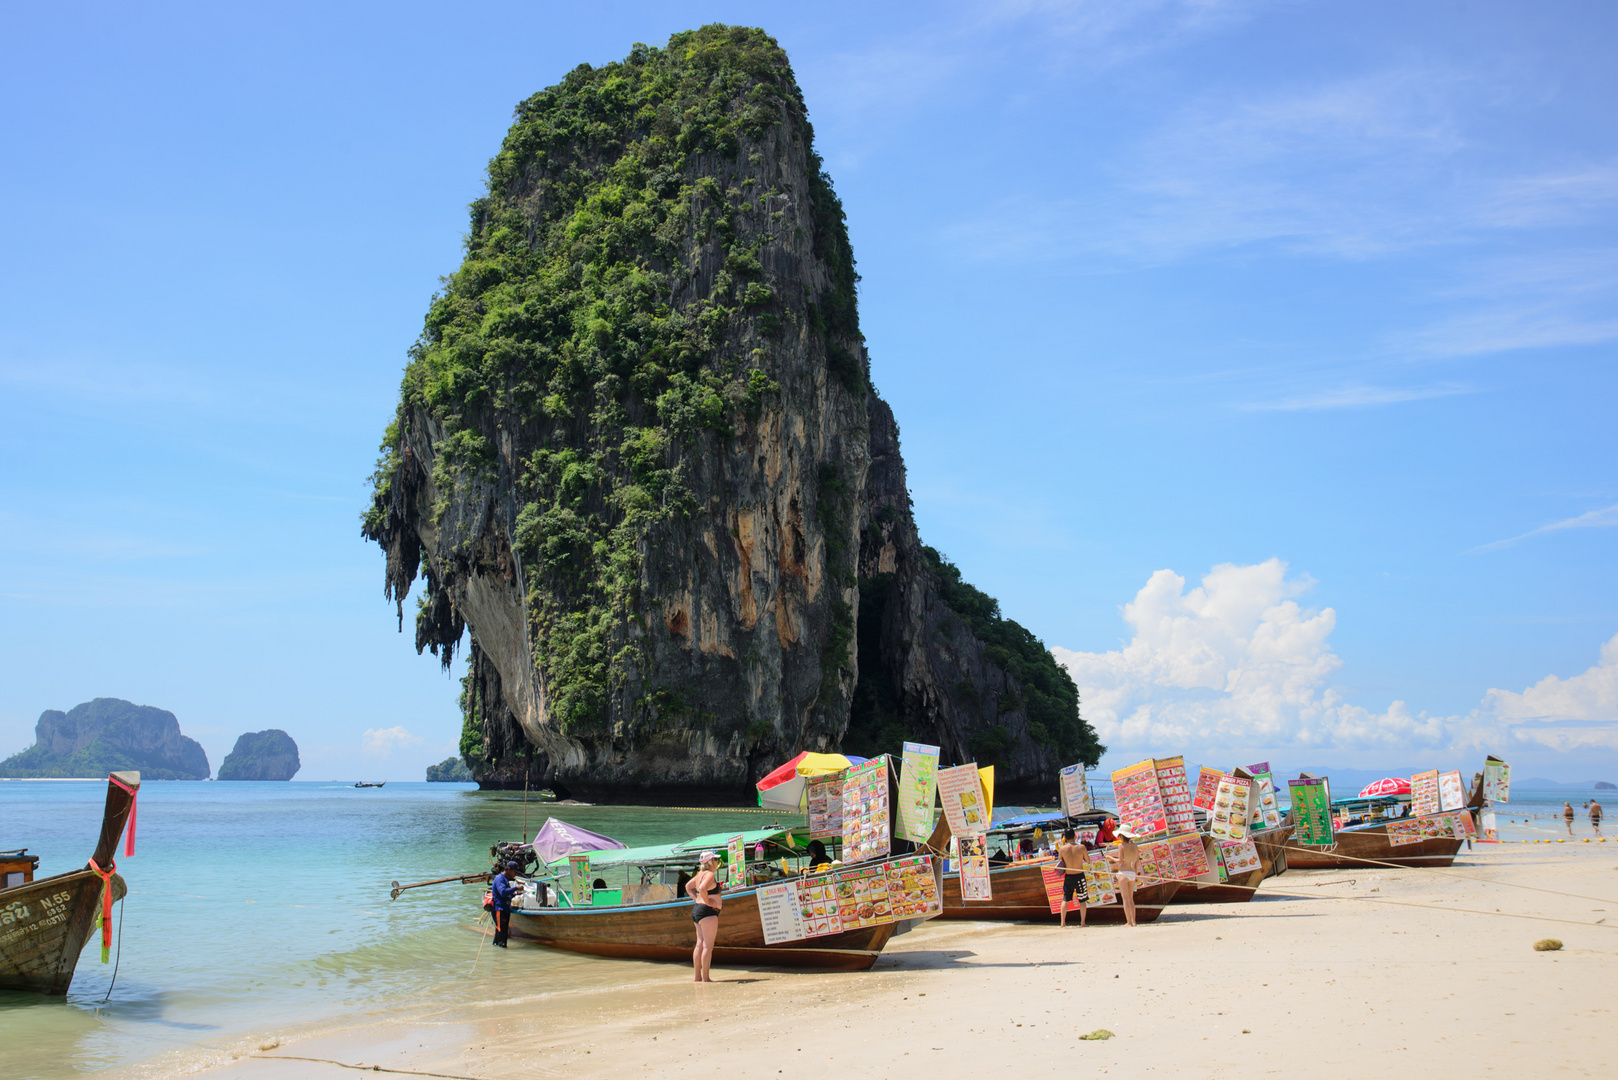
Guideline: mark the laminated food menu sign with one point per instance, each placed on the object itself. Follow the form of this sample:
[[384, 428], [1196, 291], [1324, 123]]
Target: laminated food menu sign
[[1496, 780], [1176, 794], [1240, 857], [867, 832], [1053, 889], [1424, 793], [975, 867], [961, 792], [1075, 791], [1451, 791], [1452, 826], [579, 880], [826, 807], [735, 861], [1491, 829], [1231, 807], [1311, 811], [1265, 814], [1207, 788], [1175, 858], [822, 904], [1140, 799], [1098, 880], [918, 789]]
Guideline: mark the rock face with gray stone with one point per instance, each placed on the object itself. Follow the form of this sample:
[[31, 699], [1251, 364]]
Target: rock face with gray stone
[[262, 755], [108, 735]]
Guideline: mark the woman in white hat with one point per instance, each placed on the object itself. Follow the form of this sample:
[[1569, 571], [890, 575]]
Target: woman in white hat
[[704, 891]]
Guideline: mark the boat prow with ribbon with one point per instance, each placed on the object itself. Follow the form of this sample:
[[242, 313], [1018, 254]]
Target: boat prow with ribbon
[[45, 922]]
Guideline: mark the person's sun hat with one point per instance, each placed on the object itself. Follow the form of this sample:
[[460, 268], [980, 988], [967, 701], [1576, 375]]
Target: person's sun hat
[[707, 857]]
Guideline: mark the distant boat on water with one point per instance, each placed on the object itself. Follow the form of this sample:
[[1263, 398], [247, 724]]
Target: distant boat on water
[[45, 922], [367, 783]]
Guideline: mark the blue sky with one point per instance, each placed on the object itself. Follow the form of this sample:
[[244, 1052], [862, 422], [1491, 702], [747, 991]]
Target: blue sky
[[1258, 356]]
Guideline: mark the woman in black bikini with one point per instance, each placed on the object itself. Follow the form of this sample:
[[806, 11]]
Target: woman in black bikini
[[704, 891]]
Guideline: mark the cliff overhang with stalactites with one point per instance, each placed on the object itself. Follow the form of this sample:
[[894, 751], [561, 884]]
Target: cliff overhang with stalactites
[[639, 463]]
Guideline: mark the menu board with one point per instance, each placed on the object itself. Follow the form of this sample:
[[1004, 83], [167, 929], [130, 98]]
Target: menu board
[[1231, 802], [1053, 890], [1311, 811], [1240, 857], [1496, 780], [1452, 826], [579, 890], [1491, 830], [975, 867], [826, 807], [1176, 793], [961, 792], [1424, 793], [918, 790], [1140, 799], [1098, 881], [831, 903], [1176, 858], [1451, 791], [1207, 788], [1075, 790], [1264, 813], [867, 828], [735, 861]]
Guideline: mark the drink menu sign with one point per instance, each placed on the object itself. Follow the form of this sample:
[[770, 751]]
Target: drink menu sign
[[1424, 793], [961, 792], [867, 832], [1265, 813], [1075, 790], [831, 903], [1231, 807], [1451, 791], [1176, 792], [918, 790], [1496, 780], [1140, 799], [1207, 788], [579, 880], [1311, 811], [826, 807]]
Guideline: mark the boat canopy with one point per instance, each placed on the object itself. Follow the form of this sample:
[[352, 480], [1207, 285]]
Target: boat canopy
[[717, 841], [641, 856], [681, 853]]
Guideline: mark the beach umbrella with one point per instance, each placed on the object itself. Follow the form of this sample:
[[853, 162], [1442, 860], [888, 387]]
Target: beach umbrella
[[1388, 785], [557, 838], [787, 787]]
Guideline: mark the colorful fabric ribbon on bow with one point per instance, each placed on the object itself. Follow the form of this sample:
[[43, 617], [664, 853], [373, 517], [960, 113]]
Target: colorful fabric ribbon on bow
[[104, 916], [134, 797]]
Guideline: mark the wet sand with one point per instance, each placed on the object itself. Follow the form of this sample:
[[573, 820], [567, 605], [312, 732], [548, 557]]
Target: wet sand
[[1325, 983]]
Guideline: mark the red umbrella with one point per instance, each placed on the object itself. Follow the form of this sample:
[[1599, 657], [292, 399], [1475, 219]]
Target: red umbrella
[[1388, 785]]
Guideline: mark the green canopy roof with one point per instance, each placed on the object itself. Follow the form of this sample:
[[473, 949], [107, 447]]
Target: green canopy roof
[[718, 840], [618, 856]]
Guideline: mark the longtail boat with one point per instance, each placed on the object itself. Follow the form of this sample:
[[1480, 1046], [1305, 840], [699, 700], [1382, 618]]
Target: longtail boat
[[1365, 841], [648, 918], [45, 922], [1272, 856]]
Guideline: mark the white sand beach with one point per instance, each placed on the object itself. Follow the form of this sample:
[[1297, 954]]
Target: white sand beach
[[1328, 982]]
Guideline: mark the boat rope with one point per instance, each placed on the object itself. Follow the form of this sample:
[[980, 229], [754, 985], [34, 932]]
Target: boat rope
[[134, 797], [362, 1068], [119, 957], [1451, 873], [104, 919]]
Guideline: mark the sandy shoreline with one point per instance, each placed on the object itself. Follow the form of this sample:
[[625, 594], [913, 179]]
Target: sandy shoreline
[[1338, 985]]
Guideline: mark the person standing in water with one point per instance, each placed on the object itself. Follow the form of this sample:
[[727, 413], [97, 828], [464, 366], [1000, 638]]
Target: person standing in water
[[1567, 816], [500, 891], [1595, 816], [1074, 857], [704, 891]]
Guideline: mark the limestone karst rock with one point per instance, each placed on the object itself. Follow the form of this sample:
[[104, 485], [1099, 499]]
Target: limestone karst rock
[[639, 456], [105, 735], [261, 755]]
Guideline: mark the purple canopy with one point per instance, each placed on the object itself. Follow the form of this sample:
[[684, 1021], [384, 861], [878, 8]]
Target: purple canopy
[[557, 838]]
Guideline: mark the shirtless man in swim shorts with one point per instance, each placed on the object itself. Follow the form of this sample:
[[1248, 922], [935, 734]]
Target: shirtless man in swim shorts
[[1074, 857]]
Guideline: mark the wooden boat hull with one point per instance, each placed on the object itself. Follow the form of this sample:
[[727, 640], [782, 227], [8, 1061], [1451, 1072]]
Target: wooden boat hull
[[664, 931], [1355, 846], [1272, 857], [1018, 893]]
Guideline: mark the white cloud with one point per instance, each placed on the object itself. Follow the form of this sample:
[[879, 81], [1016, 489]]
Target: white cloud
[[1356, 397], [382, 742], [1237, 664], [1604, 518]]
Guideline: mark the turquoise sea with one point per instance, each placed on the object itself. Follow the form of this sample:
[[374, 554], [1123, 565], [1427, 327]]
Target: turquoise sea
[[257, 908], [254, 908]]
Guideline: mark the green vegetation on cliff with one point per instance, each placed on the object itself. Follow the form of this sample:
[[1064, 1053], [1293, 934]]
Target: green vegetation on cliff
[[450, 771], [606, 312], [106, 735]]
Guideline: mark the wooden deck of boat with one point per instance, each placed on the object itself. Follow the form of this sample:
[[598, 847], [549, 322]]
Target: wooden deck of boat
[[1018, 893], [664, 931]]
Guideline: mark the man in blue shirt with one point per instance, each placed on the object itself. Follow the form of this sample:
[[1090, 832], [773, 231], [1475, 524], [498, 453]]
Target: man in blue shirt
[[501, 889]]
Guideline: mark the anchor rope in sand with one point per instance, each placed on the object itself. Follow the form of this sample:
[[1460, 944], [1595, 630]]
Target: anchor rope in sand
[[361, 1068], [1450, 873]]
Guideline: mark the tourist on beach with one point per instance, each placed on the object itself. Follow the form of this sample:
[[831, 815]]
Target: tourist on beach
[[1595, 816], [1127, 872], [1567, 816], [500, 890], [1073, 856], [704, 891]]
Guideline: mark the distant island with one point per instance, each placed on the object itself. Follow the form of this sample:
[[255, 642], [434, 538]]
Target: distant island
[[1602, 785], [452, 770], [105, 735], [262, 755]]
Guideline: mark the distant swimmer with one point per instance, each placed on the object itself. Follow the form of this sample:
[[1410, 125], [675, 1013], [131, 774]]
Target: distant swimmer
[[1567, 816], [1595, 816]]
